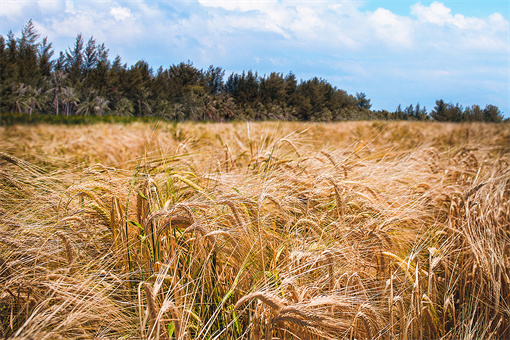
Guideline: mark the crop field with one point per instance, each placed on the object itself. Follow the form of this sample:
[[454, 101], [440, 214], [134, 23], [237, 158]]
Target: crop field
[[356, 230]]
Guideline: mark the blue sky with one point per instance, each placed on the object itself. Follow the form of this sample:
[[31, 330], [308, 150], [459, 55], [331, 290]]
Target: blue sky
[[397, 52]]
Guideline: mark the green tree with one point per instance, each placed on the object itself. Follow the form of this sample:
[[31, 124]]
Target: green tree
[[184, 79], [117, 82], [10, 72], [144, 106], [57, 81], [440, 111], [20, 92], [474, 113], [272, 89], [317, 95], [137, 83], [90, 56], [244, 88], [69, 99], [4, 85], [35, 98], [101, 106], [363, 101], [87, 106], [455, 113], [213, 80], [45, 64], [409, 112], [420, 113], [74, 61], [492, 114], [95, 69], [342, 104], [124, 107], [27, 61]]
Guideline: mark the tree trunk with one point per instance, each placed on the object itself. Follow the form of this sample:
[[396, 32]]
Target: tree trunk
[[55, 101]]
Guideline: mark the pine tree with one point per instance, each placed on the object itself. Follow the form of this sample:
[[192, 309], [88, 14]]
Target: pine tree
[[363, 101], [45, 64], [440, 111], [28, 55], [74, 62]]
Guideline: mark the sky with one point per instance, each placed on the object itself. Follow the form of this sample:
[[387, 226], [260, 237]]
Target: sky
[[396, 52]]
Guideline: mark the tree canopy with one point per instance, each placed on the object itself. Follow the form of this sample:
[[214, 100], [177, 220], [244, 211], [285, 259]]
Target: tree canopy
[[83, 80]]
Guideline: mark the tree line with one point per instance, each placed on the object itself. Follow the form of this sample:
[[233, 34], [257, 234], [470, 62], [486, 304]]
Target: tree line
[[83, 81]]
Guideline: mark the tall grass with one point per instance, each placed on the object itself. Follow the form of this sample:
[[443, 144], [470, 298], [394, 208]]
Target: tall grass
[[255, 231], [13, 118]]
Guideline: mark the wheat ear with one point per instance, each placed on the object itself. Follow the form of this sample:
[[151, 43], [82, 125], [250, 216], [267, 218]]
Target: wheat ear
[[69, 247], [269, 299]]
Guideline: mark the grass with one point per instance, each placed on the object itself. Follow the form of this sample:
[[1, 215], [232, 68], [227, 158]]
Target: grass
[[358, 230], [12, 118]]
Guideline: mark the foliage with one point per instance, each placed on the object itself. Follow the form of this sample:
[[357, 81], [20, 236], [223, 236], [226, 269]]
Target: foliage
[[10, 119], [455, 113], [83, 80]]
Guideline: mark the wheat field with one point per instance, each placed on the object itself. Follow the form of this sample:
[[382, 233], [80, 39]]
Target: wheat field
[[357, 230]]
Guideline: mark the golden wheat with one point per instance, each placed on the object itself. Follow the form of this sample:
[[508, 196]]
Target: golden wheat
[[255, 230]]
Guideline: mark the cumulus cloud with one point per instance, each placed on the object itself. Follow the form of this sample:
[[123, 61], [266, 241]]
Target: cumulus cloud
[[346, 25], [12, 8], [498, 23], [448, 31], [243, 5], [391, 28], [120, 13], [332, 27], [437, 13], [69, 6], [50, 7], [316, 25]]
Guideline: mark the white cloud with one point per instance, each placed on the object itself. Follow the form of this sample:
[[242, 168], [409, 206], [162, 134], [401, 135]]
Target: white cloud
[[437, 13], [120, 13], [148, 13], [313, 25], [243, 5], [498, 23], [443, 30], [50, 7], [11, 8], [336, 26], [317, 27], [391, 28], [106, 21], [306, 23], [73, 25], [297, 21], [69, 6]]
